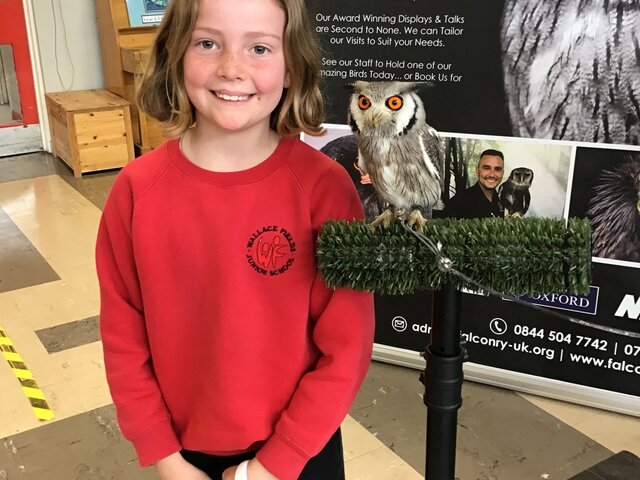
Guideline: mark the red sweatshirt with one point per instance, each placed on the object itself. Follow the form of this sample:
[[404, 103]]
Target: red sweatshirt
[[219, 334]]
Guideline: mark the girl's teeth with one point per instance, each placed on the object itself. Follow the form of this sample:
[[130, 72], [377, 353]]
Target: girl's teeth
[[233, 98]]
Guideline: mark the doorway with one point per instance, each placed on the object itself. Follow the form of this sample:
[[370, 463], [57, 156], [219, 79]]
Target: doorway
[[10, 108], [19, 113]]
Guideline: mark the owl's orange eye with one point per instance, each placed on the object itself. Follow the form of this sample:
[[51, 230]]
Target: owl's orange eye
[[395, 102], [363, 102]]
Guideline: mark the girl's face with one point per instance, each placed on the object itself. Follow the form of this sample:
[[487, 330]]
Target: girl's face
[[234, 67]]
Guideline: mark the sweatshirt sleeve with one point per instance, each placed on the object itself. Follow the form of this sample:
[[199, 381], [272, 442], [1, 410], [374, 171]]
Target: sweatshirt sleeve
[[343, 327], [141, 412]]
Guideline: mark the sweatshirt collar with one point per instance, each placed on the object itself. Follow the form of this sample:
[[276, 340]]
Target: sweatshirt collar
[[251, 175]]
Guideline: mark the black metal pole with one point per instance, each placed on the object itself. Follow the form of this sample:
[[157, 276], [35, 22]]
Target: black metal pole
[[443, 384]]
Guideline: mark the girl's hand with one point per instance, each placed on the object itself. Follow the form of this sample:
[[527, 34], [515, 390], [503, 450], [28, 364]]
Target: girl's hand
[[175, 467], [255, 471]]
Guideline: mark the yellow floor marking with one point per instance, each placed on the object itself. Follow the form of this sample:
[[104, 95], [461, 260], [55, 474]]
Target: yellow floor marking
[[30, 388], [14, 357]]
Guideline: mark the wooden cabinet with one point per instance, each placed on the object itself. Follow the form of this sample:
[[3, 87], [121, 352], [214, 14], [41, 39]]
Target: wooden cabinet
[[124, 55], [91, 129]]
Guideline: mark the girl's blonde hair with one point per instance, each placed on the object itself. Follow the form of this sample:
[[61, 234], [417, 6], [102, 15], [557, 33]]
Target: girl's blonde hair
[[162, 94]]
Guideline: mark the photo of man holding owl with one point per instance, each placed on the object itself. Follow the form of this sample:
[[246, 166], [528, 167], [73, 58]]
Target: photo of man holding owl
[[480, 200]]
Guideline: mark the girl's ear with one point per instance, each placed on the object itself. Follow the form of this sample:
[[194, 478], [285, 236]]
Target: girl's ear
[[287, 79]]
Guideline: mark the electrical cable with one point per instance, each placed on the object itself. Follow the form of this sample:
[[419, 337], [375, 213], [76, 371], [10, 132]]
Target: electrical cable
[[66, 43]]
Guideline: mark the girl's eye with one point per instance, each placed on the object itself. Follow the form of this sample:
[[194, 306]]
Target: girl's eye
[[260, 49], [207, 44]]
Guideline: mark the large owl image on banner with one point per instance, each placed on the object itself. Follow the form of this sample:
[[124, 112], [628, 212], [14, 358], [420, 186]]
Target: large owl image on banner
[[572, 69]]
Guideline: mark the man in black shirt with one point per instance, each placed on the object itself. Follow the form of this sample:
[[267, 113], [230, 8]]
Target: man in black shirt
[[480, 200]]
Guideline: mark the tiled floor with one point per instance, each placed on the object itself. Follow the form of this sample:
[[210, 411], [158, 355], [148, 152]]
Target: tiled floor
[[49, 308]]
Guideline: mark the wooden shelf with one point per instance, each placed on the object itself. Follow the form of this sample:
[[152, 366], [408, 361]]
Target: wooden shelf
[[137, 30]]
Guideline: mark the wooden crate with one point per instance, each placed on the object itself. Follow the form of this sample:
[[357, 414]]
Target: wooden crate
[[90, 129]]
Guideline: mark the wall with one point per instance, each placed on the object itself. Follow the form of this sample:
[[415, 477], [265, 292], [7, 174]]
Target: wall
[[73, 39]]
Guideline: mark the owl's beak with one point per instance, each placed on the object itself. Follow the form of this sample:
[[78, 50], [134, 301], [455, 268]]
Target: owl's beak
[[376, 120], [638, 205]]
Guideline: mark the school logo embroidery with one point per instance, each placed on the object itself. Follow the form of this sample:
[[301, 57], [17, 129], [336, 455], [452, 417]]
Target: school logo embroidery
[[270, 250]]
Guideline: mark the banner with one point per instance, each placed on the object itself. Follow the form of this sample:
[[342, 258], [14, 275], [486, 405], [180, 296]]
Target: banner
[[564, 70], [554, 86]]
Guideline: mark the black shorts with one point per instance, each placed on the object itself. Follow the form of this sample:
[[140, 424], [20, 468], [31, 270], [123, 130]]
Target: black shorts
[[327, 465]]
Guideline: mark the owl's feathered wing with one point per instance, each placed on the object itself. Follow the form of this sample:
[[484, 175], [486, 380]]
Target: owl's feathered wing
[[572, 69], [433, 148]]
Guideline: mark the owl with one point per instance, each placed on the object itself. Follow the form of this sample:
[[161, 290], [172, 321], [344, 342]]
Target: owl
[[514, 193], [572, 69], [398, 150]]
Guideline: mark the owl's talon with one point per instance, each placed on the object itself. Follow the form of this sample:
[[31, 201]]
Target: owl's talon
[[416, 218], [385, 219]]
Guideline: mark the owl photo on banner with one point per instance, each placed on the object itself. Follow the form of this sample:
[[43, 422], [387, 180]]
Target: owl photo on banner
[[572, 69], [514, 193]]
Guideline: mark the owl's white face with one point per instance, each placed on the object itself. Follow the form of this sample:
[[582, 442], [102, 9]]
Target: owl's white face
[[381, 111]]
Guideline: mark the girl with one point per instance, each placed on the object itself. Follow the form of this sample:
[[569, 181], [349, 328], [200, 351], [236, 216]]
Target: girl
[[222, 345]]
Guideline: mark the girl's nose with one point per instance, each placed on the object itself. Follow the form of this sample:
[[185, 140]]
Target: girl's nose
[[230, 66]]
